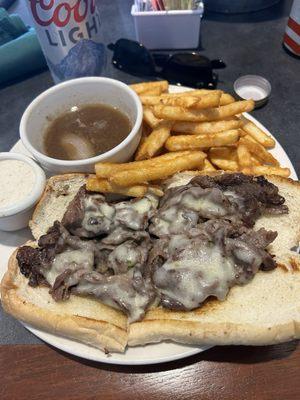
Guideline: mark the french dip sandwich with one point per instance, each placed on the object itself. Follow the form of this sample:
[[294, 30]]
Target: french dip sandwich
[[213, 261]]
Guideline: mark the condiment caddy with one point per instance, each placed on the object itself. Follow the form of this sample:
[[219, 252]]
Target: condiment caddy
[[168, 29]]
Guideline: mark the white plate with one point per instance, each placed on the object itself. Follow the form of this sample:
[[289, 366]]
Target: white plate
[[149, 354]]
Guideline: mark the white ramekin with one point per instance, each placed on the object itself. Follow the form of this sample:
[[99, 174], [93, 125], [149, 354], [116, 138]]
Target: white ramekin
[[18, 215], [80, 91]]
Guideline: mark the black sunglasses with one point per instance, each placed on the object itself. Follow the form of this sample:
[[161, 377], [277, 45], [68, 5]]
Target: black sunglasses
[[188, 68]]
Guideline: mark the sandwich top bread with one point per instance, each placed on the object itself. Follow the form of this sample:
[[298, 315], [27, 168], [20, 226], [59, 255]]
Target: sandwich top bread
[[211, 262]]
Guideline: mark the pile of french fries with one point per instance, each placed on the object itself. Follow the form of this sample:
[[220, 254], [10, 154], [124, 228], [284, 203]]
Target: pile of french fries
[[198, 130]]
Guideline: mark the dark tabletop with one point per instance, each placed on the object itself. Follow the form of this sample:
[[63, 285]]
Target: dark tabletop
[[249, 44]]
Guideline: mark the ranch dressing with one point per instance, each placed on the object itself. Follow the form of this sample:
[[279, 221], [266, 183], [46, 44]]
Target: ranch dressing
[[17, 179]]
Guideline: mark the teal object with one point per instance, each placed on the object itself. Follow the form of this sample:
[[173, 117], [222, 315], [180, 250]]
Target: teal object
[[11, 27], [20, 51]]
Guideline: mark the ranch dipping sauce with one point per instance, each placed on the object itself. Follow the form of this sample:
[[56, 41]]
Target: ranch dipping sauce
[[17, 181]]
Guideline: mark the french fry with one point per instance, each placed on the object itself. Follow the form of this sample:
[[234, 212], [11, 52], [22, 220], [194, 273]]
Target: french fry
[[158, 171], [186, 142], [155, 190], [187, 101], [212, 114], [144, 86], [173, 98], [244, 156], [259, 151], [169, 98], [224, 158], [248, 137], [95, 184], [227, 153], [225, 165], [207, 166], [106, 169], [146, 130], [255, 161], [203, 102], [207, 101], [267, 170], [206, 127], [153, 100], [149, 117], [104, 186], [242, 132], [226, 99], [155, 141], [260, 136], [156, 91], [196, 92]]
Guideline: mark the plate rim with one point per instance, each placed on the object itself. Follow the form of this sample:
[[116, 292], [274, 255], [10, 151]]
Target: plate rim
[[108, 359], [51, 339]]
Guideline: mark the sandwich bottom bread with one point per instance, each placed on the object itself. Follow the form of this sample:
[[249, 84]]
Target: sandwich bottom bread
[[214, 261]]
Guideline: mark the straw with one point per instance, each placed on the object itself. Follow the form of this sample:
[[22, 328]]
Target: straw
[[161, 5]]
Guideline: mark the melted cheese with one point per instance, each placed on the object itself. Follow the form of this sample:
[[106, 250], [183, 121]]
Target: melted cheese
[[142, 206], [96, 208], [125, 254], [202, 203], [69, 260], [178, 242], [191, 281], [232, 196], [119, 295]]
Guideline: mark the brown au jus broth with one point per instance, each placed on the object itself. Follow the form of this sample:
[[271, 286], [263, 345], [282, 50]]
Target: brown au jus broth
[[86, 131]]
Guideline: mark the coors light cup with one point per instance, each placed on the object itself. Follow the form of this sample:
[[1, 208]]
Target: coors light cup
[[69, 32]]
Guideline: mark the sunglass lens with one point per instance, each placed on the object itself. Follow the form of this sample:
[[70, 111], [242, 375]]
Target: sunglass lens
[[132, 57], [189, 69]]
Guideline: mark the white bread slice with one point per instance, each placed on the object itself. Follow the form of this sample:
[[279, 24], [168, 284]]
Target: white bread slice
[[265, 311], [59, 192]]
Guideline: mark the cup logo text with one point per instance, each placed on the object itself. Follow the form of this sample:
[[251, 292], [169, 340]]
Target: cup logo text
[[61, 14]]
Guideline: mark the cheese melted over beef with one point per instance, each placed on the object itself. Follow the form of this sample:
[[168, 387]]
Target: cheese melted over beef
[[195, 243]]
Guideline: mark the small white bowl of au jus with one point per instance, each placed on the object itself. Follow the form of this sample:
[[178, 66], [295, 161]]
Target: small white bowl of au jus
[[77, 95], [22, 184]]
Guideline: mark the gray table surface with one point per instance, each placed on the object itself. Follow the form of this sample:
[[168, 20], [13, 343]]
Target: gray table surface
[[249, 44]]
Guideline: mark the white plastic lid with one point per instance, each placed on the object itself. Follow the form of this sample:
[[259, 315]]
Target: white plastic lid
[[253, 87]]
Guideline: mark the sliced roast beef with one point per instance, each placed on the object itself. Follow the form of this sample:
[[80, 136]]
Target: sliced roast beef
[[254, 195], [29, 261], [233, 197], [120, 235], [62, 259], [188, 268], [75, 212], [185, 207], [129, 293], [196, 243], [135, 214], [90, 215], [34, 261], [128, 255]]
